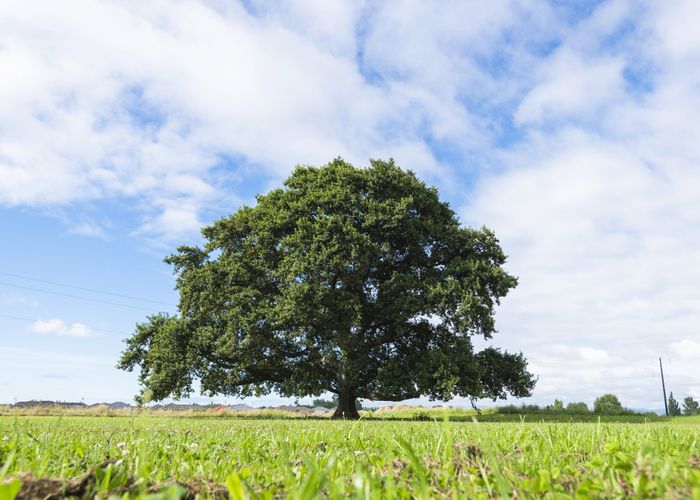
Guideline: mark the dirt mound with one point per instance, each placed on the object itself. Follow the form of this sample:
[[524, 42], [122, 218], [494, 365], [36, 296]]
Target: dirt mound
[[86, 486], [50, 488]]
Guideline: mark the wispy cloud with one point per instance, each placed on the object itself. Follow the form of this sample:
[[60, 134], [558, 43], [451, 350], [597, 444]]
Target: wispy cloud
[[12, 299], [90, 229], [60, 328]]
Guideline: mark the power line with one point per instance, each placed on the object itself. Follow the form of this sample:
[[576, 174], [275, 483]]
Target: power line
[[94, 290], [20, 318], [80, 297]]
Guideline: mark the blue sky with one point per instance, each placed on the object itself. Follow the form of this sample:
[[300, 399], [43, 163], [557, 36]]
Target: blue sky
[[570, 128]]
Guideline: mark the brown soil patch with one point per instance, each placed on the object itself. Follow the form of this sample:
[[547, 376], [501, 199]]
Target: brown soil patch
[[193, 490], [83, 487], [50, 488]]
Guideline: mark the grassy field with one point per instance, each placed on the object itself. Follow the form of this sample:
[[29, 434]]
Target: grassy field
[[493, 415], [174, 457], [386, 413]]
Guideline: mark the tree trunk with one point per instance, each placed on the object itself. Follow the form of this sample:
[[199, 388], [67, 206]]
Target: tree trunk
[[346, 406]]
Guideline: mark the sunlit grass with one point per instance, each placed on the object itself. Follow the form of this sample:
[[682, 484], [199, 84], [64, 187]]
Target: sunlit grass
[[305, 458]]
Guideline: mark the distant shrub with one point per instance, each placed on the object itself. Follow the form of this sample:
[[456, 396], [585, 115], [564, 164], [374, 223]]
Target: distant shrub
[[422, 416], [557, 406], [522, 409], [509, 409], [577, 408], [608, 404]]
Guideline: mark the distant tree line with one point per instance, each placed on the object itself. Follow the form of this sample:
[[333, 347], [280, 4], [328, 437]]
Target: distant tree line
[[690, 407], [607, 404]]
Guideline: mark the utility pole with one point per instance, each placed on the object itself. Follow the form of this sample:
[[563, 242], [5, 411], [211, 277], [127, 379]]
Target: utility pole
[[663, 386]]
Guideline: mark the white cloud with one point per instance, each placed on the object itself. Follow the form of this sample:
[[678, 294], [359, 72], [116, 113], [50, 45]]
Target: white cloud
[[597, 356], [330, 24], [89, 229], [432, 58], [172, 222], [687, 349], [144, 100], [60, 328], [572, 86]]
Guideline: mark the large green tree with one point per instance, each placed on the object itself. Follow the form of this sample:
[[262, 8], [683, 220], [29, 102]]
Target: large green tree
[[356, 281]]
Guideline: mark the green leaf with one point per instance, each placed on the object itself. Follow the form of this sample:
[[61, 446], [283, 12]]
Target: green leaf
[[235, 487], [10, 489]]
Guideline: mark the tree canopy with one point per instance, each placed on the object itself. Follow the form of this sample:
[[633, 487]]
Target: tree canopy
[[690, 406], [579, 407], [355, 281], [608, 404]]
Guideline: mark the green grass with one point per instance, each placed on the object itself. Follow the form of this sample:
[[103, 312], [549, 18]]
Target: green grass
[[695, 419], [493, 415], [142, 456]]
